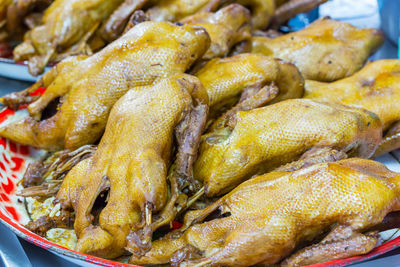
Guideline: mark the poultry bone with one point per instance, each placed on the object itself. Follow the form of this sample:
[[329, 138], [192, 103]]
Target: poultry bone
[[266, 219], [376, 88], [87, 88], [326, 50], [67, 26], [253, 80], [296, 131]]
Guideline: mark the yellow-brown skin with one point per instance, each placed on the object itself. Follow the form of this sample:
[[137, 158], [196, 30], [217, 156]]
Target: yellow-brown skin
[[327, 50], [3, 9], [271, 214], [65, 23], [149, 51], [375, 87], [227, 27], [175, 10], [226, 78], [268, 137], [134, 155], [4, 4], [114, 26]]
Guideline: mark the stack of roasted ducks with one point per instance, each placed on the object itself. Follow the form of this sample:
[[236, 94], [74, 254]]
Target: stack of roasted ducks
[[257, 142]]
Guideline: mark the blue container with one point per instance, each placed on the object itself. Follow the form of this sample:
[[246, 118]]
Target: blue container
[[390, 19]]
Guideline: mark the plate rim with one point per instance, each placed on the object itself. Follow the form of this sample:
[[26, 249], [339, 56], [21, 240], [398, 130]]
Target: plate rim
[[37, 240]]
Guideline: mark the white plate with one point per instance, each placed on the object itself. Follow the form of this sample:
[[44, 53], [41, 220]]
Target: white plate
[[17, 71]]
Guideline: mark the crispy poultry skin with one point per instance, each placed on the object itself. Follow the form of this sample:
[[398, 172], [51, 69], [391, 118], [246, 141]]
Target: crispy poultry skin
[[327, 50], [175, 10], [268, 137], [132, 159], [227, 27], [376, 87], [88, 91], [226, 78], [67, 25], [264, 219]]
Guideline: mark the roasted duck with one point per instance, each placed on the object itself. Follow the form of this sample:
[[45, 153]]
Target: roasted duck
[[66, 29], [4, 4], [116, 23], [288, 10], [16, 16], [132, 162], [175, 10], [327, 50], [267, 218], [376, 88], [260, 140], [255, 78], [87, 88], [227, 27]]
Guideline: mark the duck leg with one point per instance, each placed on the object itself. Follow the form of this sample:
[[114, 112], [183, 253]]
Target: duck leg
[[313, 156]]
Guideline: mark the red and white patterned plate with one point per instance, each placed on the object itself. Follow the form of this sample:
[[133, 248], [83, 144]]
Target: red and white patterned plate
[[14, 159]]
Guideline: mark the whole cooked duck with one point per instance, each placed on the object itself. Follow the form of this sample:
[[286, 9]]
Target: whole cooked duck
[[66, 27], [132, 162], [262, 139], [175, 10], [16, 16], [87, 88], [4, 4], [227, 27], [254, 78], [266, 219], [327, 50], [376, 88], [290, 9], [116, 23]]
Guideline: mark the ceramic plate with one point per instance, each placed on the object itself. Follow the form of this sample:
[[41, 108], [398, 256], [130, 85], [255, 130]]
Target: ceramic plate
[[17, 70], [14, 159], [12, 69]]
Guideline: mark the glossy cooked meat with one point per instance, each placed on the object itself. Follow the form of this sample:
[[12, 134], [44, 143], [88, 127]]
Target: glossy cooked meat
[[290, 9], [227, 27], [4, 4], [327, 50], [268, 137], [263, 220], [88, 90], [376, 87], [67, 25], [175, 10], [17, 15], [114, 26], [132, 161], [225, 79]]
